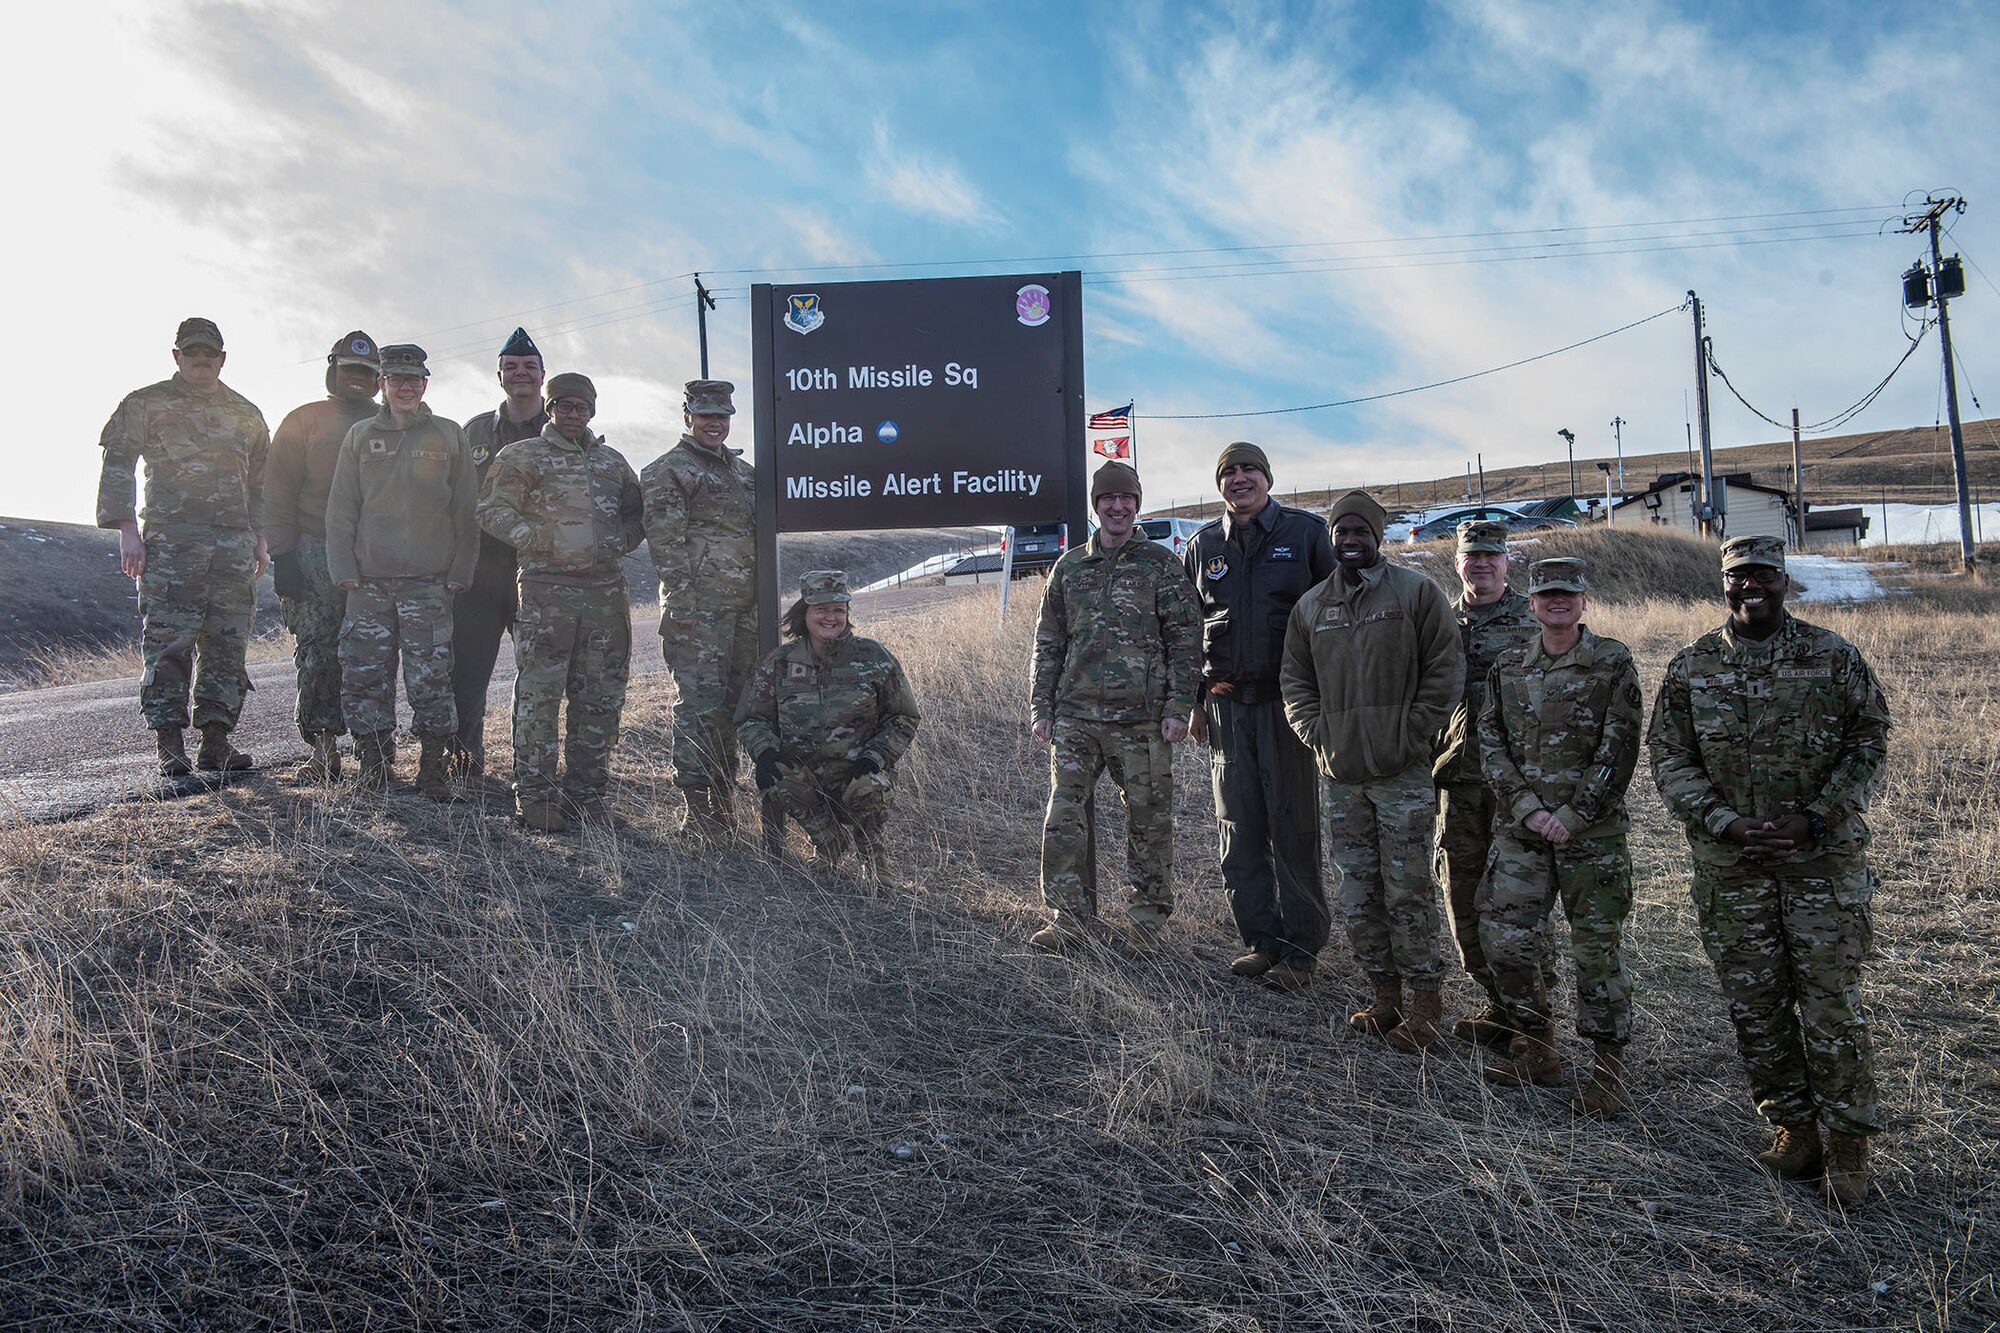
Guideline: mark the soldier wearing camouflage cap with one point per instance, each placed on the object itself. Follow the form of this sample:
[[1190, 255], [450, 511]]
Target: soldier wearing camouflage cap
[[1372, 668], [1767, 741], [202, 548], [1559, 734], [401, 540], [1116, 665], [825, 718], [701, 527], [485, 610], [1492, 618], [296, 482], [569, 506]]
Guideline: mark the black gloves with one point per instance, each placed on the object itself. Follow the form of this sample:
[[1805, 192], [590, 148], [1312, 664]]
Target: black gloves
[[287, 578], [767, 770], [865, 765]]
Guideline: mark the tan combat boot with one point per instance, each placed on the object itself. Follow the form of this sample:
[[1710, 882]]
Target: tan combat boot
[[1795, 1152], [1285, 976], [1384, 1015], [1064, 934], [324, 766], [1847, 1168], [1489, 1027], [543, 816], [1419, 1029], [1604, 1094], [217, 754], [1532, 1061], [1254, 963], [432, 781], [173, 752], [377, 752]]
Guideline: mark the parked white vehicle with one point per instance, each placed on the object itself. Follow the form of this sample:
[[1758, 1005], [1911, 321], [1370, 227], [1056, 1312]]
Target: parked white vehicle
[[1172, 533]]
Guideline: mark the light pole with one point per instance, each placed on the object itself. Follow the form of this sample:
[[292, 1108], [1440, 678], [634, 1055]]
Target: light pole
[[1569, 438]]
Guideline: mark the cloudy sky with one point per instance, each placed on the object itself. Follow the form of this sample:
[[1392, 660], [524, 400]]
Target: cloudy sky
[[1273, 205]]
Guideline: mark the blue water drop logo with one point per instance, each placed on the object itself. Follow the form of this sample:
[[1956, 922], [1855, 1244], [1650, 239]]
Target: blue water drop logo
[[888, 432]]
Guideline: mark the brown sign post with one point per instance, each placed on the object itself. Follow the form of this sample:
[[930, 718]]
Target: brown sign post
[[917, 403]]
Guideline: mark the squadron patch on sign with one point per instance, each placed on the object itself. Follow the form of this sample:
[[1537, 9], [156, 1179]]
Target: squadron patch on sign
[[1215, 567], [802, 312]]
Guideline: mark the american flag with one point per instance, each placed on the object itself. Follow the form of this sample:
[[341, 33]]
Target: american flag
[[1111, 432]]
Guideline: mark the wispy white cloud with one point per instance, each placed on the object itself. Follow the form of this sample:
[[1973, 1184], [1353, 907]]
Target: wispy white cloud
[[924, 184]]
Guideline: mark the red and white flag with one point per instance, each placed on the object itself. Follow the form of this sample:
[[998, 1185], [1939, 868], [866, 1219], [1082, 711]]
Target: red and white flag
[[1111, 432]]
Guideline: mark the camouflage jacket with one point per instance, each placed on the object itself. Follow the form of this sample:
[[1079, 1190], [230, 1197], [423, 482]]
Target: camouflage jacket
[[569, 510], [1119, 636], [856, 701], [1561, 734], [1371, 672], [1795, 724], [487, 434], [401, 503], [1484, 632], [299, 473], [701, 526], [204, 458]]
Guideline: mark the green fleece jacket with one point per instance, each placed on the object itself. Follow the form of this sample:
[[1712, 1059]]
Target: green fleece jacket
[[1371, 672], [401, 503]]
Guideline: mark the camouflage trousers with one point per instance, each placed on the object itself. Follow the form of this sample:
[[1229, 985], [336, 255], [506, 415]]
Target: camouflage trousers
[[195, 600], [1592, 878], [1378, 836], [573, 643], [388, 619], [1788, 942], [833, 805], [314, 621], [1141, 765], [1464, 845], [711, 661]]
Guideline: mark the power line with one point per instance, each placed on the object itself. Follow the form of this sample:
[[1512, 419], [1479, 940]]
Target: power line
[[1419, 388], [1839, 418]]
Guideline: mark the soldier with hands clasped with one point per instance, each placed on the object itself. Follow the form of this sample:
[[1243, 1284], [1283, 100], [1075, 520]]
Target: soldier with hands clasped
[[1767, 740]]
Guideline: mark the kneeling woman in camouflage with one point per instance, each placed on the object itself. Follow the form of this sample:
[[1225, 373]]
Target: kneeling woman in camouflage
[[1559, 738], [826, 716]]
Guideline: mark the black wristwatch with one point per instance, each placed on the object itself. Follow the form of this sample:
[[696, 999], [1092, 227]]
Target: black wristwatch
[[1815, 822]]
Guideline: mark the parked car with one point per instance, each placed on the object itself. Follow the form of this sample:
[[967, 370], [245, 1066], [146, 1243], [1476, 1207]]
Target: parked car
[[1445, 524], [1036, 546], [1172, 533]]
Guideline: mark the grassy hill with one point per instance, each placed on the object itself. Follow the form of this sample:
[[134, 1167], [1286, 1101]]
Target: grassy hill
[[273, 1059]]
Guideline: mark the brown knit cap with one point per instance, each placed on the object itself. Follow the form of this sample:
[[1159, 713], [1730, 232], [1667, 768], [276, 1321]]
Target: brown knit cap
[[1243, 452], [1363, 504], [1115, 478]]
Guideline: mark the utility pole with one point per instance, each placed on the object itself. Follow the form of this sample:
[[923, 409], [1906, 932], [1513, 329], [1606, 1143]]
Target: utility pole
[[1710, 511], [1945, 283], [1798, 481], [704, 302], [1618, 433], [1482, 476]]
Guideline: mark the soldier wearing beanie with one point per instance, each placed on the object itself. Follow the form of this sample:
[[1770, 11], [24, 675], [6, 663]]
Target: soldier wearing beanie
[[701, 527], [1767, 739], [568, 505], [1116, 665], [296, 481], [1492, 618], [485, 611], [199, 556], [1372, 669], [1248, 569]]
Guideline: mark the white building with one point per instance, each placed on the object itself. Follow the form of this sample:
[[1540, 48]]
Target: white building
[[1752, 510]]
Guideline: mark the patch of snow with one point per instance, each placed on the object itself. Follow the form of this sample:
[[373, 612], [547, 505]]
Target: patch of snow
[[1830, 578]]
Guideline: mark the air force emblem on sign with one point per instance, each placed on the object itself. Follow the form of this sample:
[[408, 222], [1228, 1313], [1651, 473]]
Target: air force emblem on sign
[[802, 312], [1215, 567]]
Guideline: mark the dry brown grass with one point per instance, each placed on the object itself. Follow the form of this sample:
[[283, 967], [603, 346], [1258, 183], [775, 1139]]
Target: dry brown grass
[[270, 1061], [72, 663]]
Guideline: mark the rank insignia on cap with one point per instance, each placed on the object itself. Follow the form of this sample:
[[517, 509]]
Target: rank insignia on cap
[[1215, 567], [802, 312]]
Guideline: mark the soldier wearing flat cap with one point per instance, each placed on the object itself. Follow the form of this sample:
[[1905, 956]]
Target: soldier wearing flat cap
[[701, 527], [569, 506], [1767, 741], [1492, 618], [1249, 568], [1559, 731], [486, 609], [202, 548], [1372, 669], [296, 482]]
